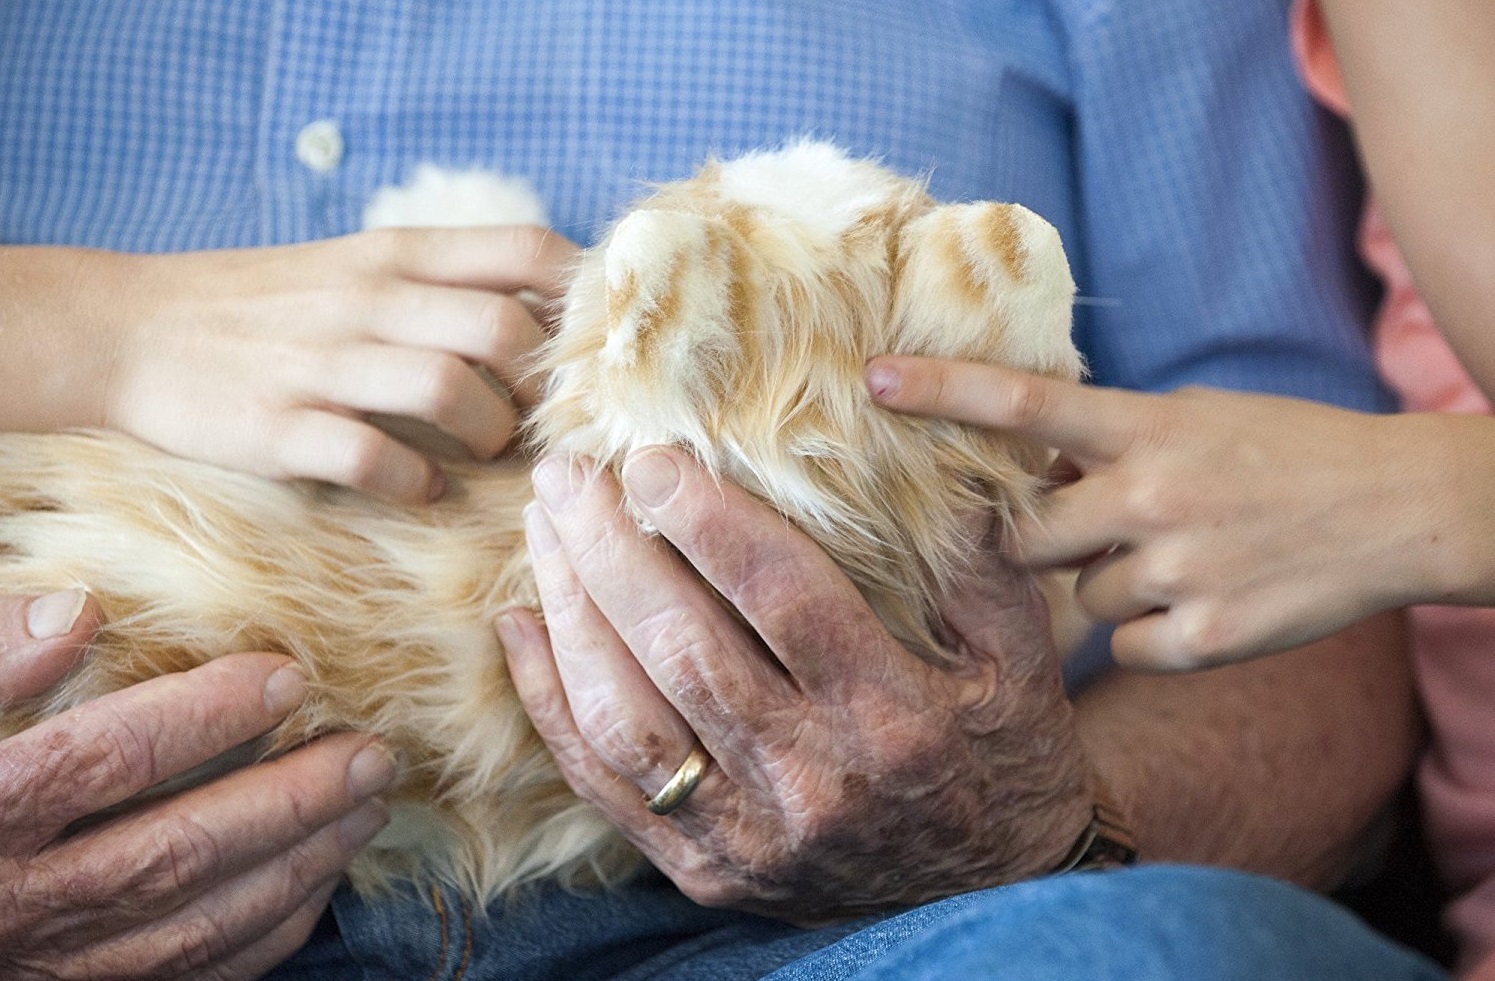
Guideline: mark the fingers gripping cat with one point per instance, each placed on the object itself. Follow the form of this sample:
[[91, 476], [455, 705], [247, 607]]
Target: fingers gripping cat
[[730, 313]]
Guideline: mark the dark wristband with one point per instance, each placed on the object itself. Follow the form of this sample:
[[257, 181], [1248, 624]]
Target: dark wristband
[[1104, 844]]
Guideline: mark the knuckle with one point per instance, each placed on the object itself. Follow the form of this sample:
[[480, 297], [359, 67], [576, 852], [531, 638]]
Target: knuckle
[[897, 751], [27, 770], [317, 362], [776, 598], [70, 887], [384, 248], [683, 648], [196, 946], [541, 246], [359, 304], [611, 733], [590, 546], [121, 749], [1028, 401], [1149, 501], [552, 258], [438, 385], [1162, 573], [307, 865], [180, 853], [1204, 634], [496, 323], [363, 458], [308, 808]]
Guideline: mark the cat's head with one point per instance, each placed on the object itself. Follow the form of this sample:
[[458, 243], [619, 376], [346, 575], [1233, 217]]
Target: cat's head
[[733, 314]]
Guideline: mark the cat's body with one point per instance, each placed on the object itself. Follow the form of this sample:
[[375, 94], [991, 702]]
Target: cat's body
[[731, 314]]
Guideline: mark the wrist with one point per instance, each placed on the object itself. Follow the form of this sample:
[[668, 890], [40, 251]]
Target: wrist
[[60, 309], [1449, 512], [1080, 829]]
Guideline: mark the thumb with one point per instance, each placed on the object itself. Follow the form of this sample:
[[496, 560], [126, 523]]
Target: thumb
[[42, 638]]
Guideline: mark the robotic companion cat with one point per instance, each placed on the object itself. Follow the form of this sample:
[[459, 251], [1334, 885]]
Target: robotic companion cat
[[731, 314]]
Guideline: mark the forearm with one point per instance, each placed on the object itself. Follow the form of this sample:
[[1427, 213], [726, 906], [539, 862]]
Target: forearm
[[1276, 765], [59, 315], [1421, 82]]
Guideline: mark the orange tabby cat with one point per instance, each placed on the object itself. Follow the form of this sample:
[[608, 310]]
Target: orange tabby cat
[[731, 313]]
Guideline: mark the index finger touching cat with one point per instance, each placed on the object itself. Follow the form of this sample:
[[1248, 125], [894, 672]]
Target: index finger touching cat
[[1088, 425]]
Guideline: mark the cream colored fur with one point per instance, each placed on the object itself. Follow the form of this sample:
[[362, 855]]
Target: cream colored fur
[[731, 314]]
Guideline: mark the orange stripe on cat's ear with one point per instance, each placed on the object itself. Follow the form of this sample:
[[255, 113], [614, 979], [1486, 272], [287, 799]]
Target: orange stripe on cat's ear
[[621, 296], [1004, 239], [963, 266]]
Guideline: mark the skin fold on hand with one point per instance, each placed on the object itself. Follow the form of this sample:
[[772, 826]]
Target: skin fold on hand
[[848, 775], [275, 360], [222, 881], [1212, 526]]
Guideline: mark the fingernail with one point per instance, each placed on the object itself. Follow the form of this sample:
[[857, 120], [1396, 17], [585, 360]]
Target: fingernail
[[553, 484], [651, 478], [284, 690], [371, 772], [54, 614], [882, 380], [363, 825], [538, 531]]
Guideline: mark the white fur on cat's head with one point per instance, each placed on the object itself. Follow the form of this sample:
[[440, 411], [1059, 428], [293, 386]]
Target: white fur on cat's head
[[733, 314]]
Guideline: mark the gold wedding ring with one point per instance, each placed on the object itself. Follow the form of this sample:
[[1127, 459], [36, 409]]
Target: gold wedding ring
[[682, 784]]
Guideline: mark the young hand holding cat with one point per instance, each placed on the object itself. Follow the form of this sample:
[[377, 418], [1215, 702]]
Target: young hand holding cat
[[1213, 526], [271, 360]]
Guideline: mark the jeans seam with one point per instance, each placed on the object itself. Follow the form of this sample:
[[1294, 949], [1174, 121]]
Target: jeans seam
[[466, 939], [440, 908]]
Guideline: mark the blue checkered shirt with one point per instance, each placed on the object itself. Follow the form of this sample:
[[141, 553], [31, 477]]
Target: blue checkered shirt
[[1205, 203]]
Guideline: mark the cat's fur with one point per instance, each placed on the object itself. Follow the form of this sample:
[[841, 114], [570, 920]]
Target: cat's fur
[[731, 314]]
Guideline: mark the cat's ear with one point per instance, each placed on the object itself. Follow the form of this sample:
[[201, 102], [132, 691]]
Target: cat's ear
[[985, 282], [671, 282]]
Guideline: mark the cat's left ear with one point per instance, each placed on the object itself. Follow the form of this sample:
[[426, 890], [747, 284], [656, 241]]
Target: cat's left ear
[[985, 282]]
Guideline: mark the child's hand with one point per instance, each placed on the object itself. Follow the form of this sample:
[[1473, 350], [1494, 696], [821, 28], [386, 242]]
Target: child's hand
[[271, 360], [1215, 526]]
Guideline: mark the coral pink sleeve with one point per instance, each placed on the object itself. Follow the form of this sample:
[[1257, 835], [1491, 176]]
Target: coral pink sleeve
[[1453, 648]]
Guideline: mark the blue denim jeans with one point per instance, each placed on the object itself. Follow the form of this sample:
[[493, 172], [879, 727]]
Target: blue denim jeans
[[1143, 924]]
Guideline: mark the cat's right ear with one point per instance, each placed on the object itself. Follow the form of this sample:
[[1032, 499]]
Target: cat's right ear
[[985, 282]]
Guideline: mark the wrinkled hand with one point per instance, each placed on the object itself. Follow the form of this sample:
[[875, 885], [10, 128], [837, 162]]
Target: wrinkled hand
[[1214, 526], [848, 775], [271, 360], [223, 881]]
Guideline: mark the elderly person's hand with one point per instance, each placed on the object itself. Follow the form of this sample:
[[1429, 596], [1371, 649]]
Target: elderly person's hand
[[846, 774], [223, 881]]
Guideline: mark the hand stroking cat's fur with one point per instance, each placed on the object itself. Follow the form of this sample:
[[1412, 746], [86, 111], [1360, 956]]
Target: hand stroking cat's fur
[[732, 314]]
